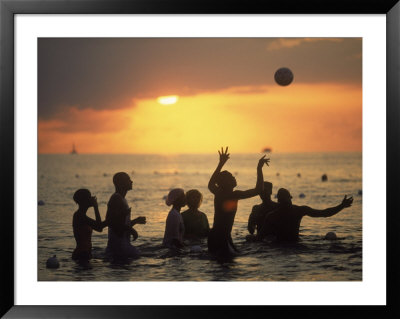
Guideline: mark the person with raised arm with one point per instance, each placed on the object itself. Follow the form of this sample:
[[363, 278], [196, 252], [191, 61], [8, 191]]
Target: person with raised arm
[[283, 223], [83, 225], [226, 199]]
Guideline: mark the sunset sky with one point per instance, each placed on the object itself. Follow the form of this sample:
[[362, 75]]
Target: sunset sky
[[105, 95]]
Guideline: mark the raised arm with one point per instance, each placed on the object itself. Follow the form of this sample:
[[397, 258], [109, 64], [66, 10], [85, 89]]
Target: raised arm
[[259, 184], [223, 157], [331, 210], [97, 224]]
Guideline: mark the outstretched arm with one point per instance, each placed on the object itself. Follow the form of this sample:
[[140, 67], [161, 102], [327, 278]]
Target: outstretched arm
[[223, 157], [259, 184], [331, 210], [139, 220]]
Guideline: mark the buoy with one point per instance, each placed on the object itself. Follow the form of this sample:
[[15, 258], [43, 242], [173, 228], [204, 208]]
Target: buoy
[[40, 203], [324, 178], [330, 236], [302, 195], [195, 249], [52, 262]]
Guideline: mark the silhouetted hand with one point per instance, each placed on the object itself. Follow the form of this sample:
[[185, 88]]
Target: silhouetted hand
[[263, 161], [93, 201], [347, 201], [223, 157], [141, 220]]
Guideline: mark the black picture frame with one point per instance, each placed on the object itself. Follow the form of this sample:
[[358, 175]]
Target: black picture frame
[[8, 10]]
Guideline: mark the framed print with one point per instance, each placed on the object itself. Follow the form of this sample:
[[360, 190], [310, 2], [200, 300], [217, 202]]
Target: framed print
[[123, 115]]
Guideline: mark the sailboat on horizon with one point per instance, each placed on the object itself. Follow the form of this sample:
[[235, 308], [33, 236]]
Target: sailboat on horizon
[[73, 150]]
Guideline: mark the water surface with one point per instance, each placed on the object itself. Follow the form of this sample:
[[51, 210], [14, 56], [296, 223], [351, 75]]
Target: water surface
[[313, 258]]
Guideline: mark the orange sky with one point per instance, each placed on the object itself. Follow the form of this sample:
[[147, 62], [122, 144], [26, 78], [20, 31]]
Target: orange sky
[[242, 110], [296, 118]]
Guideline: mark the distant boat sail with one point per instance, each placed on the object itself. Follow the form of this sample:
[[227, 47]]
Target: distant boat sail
[[73, 150], [267, 150]]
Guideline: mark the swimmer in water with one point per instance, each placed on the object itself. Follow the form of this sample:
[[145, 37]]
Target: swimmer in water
[[284, 222], [83, 225], [196, 222], [221, 184], [259, 212], [174, 226], [118, 220]]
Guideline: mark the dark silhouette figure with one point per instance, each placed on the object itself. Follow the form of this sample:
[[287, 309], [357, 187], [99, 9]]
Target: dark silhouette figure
[[118, 220], [196, 222], [284, 222], [221, 184], [83, 225], [258, 212], [174, 227]]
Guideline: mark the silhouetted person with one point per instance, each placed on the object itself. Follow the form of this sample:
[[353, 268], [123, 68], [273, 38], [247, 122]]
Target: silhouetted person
[[195, 221], [258, 213], [83, 225], [118, 219], [221, 184], [284, 222], [174, 227]]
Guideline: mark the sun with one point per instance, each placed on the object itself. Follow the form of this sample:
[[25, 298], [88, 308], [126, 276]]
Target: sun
[[167, 100]]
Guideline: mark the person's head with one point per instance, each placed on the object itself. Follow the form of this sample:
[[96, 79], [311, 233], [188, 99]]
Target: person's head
[[122, 181], [82, 197], [194, 198], [176, 197], [226, 180], [266, 194], [284, 196]]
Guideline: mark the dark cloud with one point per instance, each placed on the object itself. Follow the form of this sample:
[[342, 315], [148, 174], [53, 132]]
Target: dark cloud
[[110, 73]]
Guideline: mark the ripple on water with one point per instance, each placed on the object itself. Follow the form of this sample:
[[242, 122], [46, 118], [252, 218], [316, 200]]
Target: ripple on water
[[311, 259]]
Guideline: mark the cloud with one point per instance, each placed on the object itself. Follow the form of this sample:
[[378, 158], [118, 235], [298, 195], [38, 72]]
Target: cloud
[[109, 73], [294, 42], [75, 120]]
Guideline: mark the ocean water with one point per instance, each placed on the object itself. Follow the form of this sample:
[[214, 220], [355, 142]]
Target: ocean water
[[312, 259]]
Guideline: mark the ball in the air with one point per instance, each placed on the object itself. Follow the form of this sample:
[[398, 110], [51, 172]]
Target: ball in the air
[[283, 76]]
